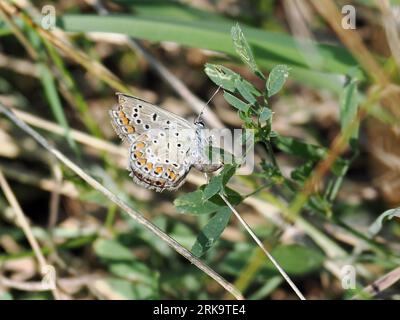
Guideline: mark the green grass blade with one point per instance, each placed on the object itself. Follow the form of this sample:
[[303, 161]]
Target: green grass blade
[[270, 48], [50, 91]]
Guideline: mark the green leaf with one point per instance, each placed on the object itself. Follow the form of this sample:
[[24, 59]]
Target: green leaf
[[218, 182], [299, 148], [377, 225], [235, 102], [112, 250], [319, 204], [125, 289], [303, 172], [183, 234], [233, 197], [277, 79], [269, 286], [247, 86], [221, 76], [213, 187], [340, 167], [243, 50], [211, 232], [294, 259], [310, 152], [232, 81], [349, 103], [265, 114], [134, 271], [245, 92], [270, 171], [194, 203]]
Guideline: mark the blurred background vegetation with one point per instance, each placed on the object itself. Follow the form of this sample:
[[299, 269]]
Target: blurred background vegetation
[[327, 180]]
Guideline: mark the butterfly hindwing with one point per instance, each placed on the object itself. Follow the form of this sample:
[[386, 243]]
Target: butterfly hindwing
[[160, 142]]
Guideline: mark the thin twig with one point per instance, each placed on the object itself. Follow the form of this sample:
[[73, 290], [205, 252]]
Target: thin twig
[[112, 197], [381, 284], [45, 268], [77, 135], [18, 65], [261, 245], [23, 286], [176, 84]]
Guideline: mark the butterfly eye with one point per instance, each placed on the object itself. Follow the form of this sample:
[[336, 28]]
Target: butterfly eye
[[200, 123]]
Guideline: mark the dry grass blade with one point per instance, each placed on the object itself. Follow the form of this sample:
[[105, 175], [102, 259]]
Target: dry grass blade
[[58, 39], [389, 22], [47, 270], [115, 199]]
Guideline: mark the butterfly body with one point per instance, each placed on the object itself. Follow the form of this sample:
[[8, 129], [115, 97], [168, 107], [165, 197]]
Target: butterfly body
[[163, 146]]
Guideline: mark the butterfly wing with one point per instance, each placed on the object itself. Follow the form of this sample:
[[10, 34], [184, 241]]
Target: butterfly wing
[[160, 143]]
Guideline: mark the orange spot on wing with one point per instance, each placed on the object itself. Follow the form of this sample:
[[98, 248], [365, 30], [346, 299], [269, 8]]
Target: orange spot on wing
[[171, 174], [149, 166], [142, 161], [125, 121], [158, 170], [138, 154], [130, 129], [140, 145]]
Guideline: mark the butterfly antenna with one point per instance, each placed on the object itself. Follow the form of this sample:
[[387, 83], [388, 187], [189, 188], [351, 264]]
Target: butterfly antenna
[[209, 100]]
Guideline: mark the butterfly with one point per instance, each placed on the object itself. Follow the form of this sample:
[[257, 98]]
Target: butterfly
[[163, 146]]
